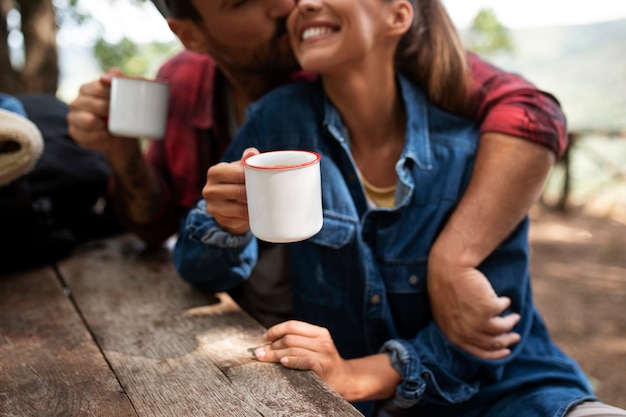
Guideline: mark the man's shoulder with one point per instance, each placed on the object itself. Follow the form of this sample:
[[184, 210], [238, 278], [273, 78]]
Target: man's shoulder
[[192, 80], [186, 63]]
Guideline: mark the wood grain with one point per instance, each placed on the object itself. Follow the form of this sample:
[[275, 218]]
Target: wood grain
[[180, 352], [49, 364]]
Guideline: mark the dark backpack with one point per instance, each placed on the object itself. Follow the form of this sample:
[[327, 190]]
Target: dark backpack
[[45, 213]]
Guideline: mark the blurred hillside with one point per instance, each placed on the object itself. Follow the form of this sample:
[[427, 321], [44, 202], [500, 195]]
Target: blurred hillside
[[584, 66]]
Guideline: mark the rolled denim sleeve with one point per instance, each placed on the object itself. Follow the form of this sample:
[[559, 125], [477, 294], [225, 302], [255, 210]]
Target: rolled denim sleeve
[[435, 370], [208, 256]]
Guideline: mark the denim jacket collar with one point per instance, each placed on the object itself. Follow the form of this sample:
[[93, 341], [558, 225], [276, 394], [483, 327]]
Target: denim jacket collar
[[417, 145]]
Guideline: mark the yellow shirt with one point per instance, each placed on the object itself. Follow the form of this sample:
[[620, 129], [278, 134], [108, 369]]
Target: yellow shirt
[[380, 196]]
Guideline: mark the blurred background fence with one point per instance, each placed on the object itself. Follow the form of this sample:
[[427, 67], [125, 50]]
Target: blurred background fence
[[591, 175]]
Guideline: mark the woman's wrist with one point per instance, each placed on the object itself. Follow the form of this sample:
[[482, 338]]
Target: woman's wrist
[[373, 378]]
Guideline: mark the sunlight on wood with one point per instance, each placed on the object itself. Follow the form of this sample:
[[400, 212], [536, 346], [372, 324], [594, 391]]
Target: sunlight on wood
[[225, 305]]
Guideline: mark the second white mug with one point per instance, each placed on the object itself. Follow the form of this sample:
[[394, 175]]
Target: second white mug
[[138, 107]]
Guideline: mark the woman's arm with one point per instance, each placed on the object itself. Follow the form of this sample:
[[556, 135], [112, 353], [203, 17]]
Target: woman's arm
[[300, 345], [215, 248], [209, 257]]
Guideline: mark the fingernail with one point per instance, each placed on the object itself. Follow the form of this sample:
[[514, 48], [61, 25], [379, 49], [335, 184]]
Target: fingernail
[[284, 361], [260, 353]]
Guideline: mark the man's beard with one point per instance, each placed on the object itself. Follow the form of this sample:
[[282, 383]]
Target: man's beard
[[275, 55]]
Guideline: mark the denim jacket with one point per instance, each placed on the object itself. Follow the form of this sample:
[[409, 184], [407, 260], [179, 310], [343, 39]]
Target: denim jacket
[[363, 276]]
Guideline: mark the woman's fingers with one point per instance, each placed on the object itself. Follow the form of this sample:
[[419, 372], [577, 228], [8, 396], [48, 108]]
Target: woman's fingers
[[296, 343], [294, 327]]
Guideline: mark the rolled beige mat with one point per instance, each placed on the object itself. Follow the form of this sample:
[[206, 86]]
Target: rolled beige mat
[[21, 145]]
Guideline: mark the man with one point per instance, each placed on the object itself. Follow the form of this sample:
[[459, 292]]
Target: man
[[236, 52]]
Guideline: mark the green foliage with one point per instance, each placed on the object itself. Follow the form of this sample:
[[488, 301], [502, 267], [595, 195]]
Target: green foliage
[[67, 12], [133, 59], [487, 36]]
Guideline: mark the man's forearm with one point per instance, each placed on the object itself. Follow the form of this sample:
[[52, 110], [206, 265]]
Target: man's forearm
[[136, 191], [508, 177]]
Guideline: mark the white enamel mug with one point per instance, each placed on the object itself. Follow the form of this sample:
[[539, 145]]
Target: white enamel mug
[[284, 195], [138, 107]]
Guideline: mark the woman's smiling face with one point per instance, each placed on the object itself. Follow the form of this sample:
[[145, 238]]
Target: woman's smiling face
[[326, 35]]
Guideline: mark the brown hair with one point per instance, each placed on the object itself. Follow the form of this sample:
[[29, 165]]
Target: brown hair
[[183, 9], [432, 55]]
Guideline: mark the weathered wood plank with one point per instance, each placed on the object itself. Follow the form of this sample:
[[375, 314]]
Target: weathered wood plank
[[177, 351], [49, 364]]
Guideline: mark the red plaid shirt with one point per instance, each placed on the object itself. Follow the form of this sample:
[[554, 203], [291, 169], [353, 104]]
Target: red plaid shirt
[[197, 134], [506, 103]]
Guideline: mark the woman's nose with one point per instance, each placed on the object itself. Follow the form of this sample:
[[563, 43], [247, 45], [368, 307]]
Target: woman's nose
[[308, 5]]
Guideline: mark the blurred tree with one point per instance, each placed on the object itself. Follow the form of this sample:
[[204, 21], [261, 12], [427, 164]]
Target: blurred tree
[[29, 27], [34, 24], [487, 36], [8, 77], [39, 28], [37, 24]]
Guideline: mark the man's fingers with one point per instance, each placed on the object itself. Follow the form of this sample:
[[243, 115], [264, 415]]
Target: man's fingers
[[108, 76], [502, 341], [494, 322], [500, 304], [501, 324], [490, 347], [86, 121], [486, 354]]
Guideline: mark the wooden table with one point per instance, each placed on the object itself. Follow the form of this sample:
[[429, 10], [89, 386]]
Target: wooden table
[[113, 331]]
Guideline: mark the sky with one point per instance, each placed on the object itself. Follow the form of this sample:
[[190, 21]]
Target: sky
[[121, 19], [536, 13]]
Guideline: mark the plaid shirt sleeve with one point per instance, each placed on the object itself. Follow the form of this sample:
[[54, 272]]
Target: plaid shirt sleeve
[[179, 161], [507, 103]]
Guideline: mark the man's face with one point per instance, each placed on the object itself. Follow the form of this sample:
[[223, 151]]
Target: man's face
[[248, 35]]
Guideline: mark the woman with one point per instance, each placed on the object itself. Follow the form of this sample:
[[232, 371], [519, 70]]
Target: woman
[[394, 164]]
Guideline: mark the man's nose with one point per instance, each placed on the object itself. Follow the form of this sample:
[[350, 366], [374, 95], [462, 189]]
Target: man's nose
[[280, 8]]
